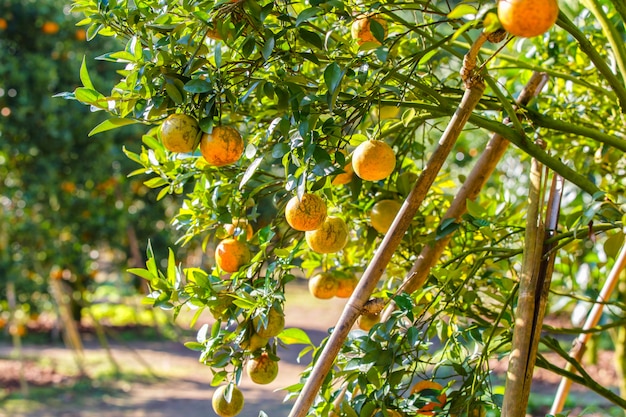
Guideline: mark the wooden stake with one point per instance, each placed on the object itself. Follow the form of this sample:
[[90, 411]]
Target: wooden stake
[[371, 276], [535, 278], [592, 320]]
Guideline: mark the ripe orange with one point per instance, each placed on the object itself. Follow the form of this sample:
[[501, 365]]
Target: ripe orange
[[373, 160], [239, 227], [345, 177], [427, 410], [231, 254], [383, 213], [274, 325], [3, 24], [262, 369], [330, 237], [361, 30], [80, 35], [367, 320], [223, 146], [527, 18], [323, 286], [50, 28], [254, 342], [180, 133], [307, 213], [346, 283], [222, 406]]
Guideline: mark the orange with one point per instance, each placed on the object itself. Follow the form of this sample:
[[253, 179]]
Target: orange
[[383, 213], [307, 213], [80, 35], [223, 146], [180, 133], [3, 24], [527, 18], [345, 177], [346, 285], [272, 327], [367, 320], [50, 28], [262, 369], [427, 410], [330, 237], [231, 254], [222, 406], [17, 330], [373, 160], [254, 342], [323, 286], [239, 227], [361, 31]]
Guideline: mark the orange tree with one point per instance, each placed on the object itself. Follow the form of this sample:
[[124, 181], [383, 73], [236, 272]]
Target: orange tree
[[340, 105], [64, 196]]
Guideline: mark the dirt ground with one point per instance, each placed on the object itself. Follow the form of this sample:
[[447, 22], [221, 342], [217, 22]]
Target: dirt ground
[[182, 387]]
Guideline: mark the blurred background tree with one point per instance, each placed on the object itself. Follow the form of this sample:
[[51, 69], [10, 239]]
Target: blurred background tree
[[67, 210]]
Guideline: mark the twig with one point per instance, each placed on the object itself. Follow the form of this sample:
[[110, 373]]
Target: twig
[[592, 320]]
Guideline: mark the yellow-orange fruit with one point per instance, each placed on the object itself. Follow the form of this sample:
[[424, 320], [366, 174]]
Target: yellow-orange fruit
[[373, 160], [367, 320], [224, 407], [323, 286], [231, 254], [223, 146], [428, 409], [274, 325], [345, 177], [527, 18], [346, 285], [239, 227], [262, 369], [330, 237], [383, 213], [361, 29], [307, 213], [180, 133]]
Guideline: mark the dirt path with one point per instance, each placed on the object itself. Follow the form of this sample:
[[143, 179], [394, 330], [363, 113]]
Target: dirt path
[[183, 387]]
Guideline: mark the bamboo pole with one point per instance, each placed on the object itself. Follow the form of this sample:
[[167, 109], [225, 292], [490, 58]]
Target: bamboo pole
[[475, 88], [592, 320], [535, 278], [475, 181]]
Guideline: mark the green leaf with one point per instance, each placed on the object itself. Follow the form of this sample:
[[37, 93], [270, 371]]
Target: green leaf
[[141, 272], [90, 96], [462, 10], [250, 171], [171, 267], [475, 209], [194, 346], [332, 76], [84, 76], [294, 336], [307, 14], [267, 49], [198, 86], [311, 37], [111, 124]]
